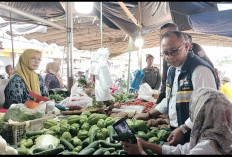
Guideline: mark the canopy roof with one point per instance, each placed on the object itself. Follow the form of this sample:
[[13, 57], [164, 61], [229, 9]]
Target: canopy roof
[[116, 24]]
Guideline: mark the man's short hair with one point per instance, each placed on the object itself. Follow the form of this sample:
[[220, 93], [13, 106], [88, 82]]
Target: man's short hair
[[9, 66], [167, 25], [149, 56], [189, 37], [178, 34]]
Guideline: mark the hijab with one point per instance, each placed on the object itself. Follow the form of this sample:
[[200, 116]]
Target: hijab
[[30, 77], [52, 67], [211, 114]]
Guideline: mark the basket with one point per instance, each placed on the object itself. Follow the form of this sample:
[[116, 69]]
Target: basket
[[14, 132]]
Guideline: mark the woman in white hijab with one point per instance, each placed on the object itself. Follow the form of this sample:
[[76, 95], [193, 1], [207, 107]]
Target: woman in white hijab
[[211, 113]]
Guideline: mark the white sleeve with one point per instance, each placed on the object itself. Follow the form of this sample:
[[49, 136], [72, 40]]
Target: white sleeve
[[189, 123], [162, 106], [203, 147], [179, 149], [203, 77]]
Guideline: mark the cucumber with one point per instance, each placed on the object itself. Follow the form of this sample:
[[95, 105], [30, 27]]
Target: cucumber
[[68, 153], [115, 137], [88, 151], [100, 151], [60, 146], [114, 153], [149, 152], [85, 143], [108, 145], [107, 153], [54, 151], [37, 150], [111, 133], [67, 144], [94, 145], [122, 152], [34, 133], [145, 137]]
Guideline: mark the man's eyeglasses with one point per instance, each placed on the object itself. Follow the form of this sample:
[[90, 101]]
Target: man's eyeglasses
[[172, 52]]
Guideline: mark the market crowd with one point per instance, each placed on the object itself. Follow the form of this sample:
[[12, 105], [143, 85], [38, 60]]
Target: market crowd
[[191, 92]]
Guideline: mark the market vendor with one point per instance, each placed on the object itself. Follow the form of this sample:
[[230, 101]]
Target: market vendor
[[186, 73], [52, 78], [25, 79], [211, 113], [152, 74]]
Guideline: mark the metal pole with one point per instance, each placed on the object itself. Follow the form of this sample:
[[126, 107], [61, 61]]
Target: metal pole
[[69, 35], [33, 17], [101, 23], [128, 78], [12, 43], [140, 57]]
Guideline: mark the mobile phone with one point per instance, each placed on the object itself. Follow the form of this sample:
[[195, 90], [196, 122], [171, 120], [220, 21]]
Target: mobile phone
[[124, 132]]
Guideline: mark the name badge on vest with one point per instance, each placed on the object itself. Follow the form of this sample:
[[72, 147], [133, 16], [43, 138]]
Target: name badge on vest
[[186, 85]]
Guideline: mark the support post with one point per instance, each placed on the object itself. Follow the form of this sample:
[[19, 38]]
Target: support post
[[69, 40], [12, 43], [129, 62]]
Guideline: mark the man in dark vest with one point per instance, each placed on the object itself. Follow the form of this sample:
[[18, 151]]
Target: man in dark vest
[[186, 73], [152, 74]]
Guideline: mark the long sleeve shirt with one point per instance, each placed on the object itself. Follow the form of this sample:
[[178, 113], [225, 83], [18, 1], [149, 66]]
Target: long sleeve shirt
[[201, 77]]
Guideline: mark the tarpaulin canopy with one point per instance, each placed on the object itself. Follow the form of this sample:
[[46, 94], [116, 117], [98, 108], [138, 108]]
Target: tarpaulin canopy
[[218, 23]]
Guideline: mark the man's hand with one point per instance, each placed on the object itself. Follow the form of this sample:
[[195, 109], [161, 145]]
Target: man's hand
[[176, 137], [134, 149], [143, 116]]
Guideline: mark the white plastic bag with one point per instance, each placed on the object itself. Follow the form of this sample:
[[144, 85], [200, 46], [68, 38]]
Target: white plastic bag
[[145, 92]]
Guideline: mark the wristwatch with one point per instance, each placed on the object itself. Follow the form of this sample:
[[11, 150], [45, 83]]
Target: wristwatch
[[183, 129]]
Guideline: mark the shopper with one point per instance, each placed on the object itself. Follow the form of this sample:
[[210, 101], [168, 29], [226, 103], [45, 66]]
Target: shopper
[[9, 70], [25, 79], [227, 87], [152, 74], [52, 78], [187, 73], [211, 113]]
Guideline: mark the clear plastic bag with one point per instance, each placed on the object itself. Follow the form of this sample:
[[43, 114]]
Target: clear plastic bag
[[145, 92]]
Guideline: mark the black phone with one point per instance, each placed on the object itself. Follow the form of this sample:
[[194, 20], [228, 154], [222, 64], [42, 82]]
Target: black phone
[[124, 132]]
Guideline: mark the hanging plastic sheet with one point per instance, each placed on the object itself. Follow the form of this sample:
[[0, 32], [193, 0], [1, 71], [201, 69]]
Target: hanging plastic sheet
[[137, 80]]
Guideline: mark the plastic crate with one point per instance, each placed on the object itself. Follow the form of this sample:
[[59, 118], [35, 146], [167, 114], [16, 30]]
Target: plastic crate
[[13, 133]]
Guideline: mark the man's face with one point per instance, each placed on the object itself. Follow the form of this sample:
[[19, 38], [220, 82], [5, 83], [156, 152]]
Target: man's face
[[9, 70], [173, 44], [150, 61]]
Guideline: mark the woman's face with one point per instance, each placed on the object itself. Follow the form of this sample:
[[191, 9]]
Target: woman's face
[[34, 61]]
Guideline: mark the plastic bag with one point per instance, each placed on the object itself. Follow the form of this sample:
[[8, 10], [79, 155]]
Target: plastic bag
[[78, 99], [145, 92]]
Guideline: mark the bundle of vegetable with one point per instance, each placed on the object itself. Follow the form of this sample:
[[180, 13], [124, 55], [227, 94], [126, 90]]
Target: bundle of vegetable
[[82, 82], [6, 150], [57, 97], [124, 97]]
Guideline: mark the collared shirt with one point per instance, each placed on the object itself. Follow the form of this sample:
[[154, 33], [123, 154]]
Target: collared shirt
[[201, 77], [203, 147]]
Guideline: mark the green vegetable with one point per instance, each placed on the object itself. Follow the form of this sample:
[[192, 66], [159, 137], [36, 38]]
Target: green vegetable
[[87, 113], [34, 133], [108, 145], [54, 151], [76, 141], [67, 144], [163, 135], [154, 140], [82, 81], [100, 123], [56, 97], [140, 125], [131, 124], [73, 119], [56, 129], [85, 126], [93, 118], [48, 123], [143, 135], [92, 133], [108, 121], [107, 153], [66, 135], [50, 132], [94, 145], [83, 134], [37, 150], [77, 149], [28, 143], [105, 132], [88, 151], [22, 150], [74, 128], [111, 132], [85, 143], [154, 132], [100, 135], [68, 153], [22, 141], [64, 127], [149, 152], [100, 151], [83, 119]]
